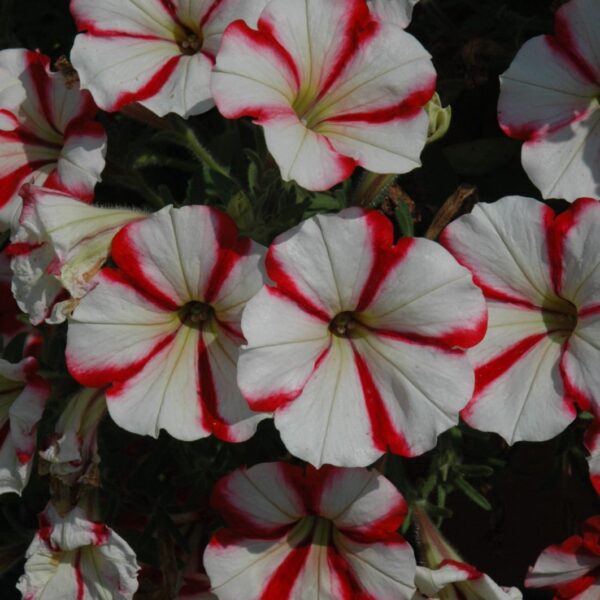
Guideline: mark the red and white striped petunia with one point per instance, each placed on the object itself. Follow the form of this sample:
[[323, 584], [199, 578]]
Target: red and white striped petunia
[[73, 557], [459, 580], [357, 348], [58, 247], [159, 53], [298, 535], [446, 575], [23, 396], [163, 328], [539, 274], [70, 452], [571, 569], [332, 86], [51, 137], [398, 12], [550, 97]]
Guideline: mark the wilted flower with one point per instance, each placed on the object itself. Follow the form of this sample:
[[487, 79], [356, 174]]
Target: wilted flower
[[550, 98], [538, 272], [73, 557], [571, 569], [23, 395], [356, 347], [158, 53], [163, 329], [72, 450], [49, 137], [446, 576], [305, 535], [60, 244], [332, 86]]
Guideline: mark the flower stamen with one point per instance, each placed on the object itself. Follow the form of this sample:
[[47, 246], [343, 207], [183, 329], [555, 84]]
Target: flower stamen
[[195, 314], [191, 44], [343, 324]]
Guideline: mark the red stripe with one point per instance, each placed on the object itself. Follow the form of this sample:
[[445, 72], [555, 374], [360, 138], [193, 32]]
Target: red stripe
[[99, 376], [210, 12], [386, 257], [79, 577], [558, 233], [265, 40], [208, 396], [151, 88], [11, 183], [287, 287], [572, 392], [92, 28], [360, 28], [349, 584], [282, 581], [566, 42], [21, 248], [437, 342], [230, 250], [277, 400], [227, 503], [489, 372], [125, 253], [408, 108], [383, 432], [489, 291], [472, 572], [589, 311]]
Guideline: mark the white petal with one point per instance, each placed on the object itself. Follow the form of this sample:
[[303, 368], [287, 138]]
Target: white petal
[[504, 245], [519, 391]]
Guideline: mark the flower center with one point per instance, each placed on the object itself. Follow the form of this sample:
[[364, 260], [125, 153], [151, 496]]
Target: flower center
[[343, 324], [195, 314], [561, 319], [190, 43], [305, 106], [313, 529]]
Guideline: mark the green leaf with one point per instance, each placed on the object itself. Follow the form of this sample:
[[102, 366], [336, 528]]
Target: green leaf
[[475, 470], [474, 495]]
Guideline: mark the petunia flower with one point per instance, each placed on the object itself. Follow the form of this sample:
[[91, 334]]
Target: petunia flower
[[332, 87], [305, 535], [73, 557], [50, 137], [540, 278], [71, 451], [159, 53], [454, 579], [10, 326], [163, 329], [23, 396], [398, 12], [58, 247], [550, 98], [356, 348], [571, 569], [446, 576]]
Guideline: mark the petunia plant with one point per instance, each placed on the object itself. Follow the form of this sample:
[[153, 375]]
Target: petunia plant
[[299, 300]]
